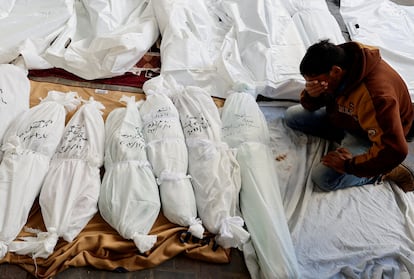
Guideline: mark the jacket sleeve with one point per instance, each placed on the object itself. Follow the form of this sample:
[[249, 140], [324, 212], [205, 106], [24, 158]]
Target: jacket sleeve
[[381, 122], [311, 103]]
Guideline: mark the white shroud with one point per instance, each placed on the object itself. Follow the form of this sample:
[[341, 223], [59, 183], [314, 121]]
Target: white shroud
[[129, 200]]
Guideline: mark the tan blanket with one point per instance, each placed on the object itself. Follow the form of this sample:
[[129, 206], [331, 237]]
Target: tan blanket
[[99, 245]]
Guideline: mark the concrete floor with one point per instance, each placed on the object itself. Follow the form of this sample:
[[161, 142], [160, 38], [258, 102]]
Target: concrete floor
[[179, 267]]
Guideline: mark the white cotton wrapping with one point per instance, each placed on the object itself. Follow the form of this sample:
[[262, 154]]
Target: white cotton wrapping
[[314, 21], [213, 167], [30, 27], [104, 38], [70, 191], [14, 96], [245, 128], [168, 155], [29, 144], [129, 200], [387, 25]]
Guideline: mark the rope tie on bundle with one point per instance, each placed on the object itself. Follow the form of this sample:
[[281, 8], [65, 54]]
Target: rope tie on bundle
[[171, 176], [138, 163]]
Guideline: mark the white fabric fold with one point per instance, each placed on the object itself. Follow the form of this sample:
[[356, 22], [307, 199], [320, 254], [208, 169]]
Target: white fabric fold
[[40, 246], [387, 25], [314, 21], [14, 96], [216, 44]]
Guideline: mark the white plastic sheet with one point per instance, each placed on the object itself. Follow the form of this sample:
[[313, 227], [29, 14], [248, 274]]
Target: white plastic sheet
[[69, 195], [30, 27], [215, 44], [245, 128], [29, 144], [129, 200], [388, 26], [168, 155], [104, 38], [91, 39], [14, 96], [358, 232], [6, 7], [314, 21], [213, 167]]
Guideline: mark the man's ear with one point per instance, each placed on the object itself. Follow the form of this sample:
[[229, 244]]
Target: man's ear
[[336, 71]]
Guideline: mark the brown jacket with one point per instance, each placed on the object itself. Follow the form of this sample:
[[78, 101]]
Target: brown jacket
[[372, 101]]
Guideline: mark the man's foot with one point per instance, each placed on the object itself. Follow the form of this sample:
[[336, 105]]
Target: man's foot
[[402, 176]]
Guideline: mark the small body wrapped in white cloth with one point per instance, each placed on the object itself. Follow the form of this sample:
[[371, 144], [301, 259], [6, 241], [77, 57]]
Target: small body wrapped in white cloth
[[245, 128], [213, 167], [168, 155], [29, 144], [14, 96], [129, 200], [69, 195]]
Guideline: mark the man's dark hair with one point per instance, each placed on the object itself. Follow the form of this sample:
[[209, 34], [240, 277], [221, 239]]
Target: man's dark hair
[[320, 57]]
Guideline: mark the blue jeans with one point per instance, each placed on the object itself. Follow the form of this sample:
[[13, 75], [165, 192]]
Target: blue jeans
[[316, 123]]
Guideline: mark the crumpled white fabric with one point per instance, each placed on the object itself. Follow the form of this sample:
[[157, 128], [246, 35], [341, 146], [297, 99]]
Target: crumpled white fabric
[[213, 167], [168, 155], [30, 28], [14, 96], [91, 39], [216, 44], [69, 195], [6, 7], [104, 38], [29, 144], [388, 26], [358, 232], [245, 128], [314, 21], [129, 199]]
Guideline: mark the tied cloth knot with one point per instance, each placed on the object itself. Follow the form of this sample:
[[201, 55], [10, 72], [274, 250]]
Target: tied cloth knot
[[195, 227], [232, 233], [94, 160], [144, 242], [228, 223], [41, 246], [13, 145]]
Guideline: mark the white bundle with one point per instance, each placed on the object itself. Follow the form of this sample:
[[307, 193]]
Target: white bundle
[[168, 155], [213, 167], [14, 96], [245, 128], [129, 200], [70, 192], [29, 144]]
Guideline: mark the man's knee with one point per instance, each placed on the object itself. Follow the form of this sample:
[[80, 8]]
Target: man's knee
[[323, 182], [291, 115]]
